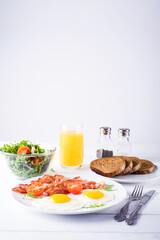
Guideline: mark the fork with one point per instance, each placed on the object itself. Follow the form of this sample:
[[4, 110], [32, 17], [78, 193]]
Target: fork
[[136, 195]]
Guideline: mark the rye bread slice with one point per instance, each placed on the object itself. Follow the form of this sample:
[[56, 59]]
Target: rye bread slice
[[136, 164], [147, 167], [129, 166], [108, 167]]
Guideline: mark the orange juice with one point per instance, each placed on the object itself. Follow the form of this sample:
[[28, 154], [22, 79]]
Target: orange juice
[[71, 148]]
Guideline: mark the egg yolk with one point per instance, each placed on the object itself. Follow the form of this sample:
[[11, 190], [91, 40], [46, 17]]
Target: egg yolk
[[94, 194], [60, 198]]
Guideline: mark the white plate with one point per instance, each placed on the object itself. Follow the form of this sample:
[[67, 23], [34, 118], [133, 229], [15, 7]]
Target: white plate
[[136, 178], [120, 194]]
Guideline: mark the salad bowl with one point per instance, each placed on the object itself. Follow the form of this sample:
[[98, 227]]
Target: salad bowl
[[34, 163]]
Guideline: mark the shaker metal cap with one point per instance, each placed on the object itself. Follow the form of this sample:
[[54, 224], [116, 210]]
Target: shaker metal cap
[[105, 130], [124, 132]]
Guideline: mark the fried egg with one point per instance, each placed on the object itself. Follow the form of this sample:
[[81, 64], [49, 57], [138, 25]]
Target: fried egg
[[95, 196], [58, 202]]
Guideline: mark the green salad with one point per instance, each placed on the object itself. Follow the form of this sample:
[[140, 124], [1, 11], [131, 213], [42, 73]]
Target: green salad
[[35, 164], [13, 147]]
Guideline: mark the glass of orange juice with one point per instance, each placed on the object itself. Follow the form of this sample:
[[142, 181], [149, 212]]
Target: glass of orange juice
[[71, 145]]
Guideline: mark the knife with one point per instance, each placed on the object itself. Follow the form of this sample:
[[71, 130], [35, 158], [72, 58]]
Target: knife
[[145, 198]]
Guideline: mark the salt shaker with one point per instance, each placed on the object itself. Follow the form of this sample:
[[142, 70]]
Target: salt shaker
[[105, 145], [123, 145]]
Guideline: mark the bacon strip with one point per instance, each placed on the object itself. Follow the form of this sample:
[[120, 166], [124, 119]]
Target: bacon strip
[[58, 184]]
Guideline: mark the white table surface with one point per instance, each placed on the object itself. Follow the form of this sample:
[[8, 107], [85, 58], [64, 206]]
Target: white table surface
[[16, 222]]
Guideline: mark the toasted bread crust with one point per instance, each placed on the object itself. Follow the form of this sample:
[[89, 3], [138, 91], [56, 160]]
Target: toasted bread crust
[[146, 167], [108, 167], [128, 168], [136, 164]]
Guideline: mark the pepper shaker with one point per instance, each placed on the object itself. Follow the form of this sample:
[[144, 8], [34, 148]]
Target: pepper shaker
[[105, 145]]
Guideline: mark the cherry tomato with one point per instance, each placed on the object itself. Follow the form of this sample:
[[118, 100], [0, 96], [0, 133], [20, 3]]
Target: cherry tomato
[[74, 187], [24, 150], [36, 189], [36, 161]]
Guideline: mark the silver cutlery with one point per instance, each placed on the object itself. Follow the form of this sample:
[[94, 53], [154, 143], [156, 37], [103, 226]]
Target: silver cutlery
[[144, 199], [136, 195]]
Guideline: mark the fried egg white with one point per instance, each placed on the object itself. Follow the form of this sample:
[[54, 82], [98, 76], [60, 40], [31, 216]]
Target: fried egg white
[[58, 202], [95, 196]]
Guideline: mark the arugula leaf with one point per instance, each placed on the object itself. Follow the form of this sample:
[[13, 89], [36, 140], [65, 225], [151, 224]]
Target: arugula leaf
[[95, 206], [31, 195], [52, 170], [109, 188]]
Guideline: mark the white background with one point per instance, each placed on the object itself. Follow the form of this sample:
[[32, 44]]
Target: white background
[[94, 62]]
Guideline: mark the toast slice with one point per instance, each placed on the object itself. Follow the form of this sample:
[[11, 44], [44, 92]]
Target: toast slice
[[147, 167], [108, 167], [136, 164], [129, 166]]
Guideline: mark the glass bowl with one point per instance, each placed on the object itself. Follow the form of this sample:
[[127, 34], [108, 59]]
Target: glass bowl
[[29, 165]]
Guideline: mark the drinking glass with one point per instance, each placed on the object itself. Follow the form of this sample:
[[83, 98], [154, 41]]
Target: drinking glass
[[71, 145]]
